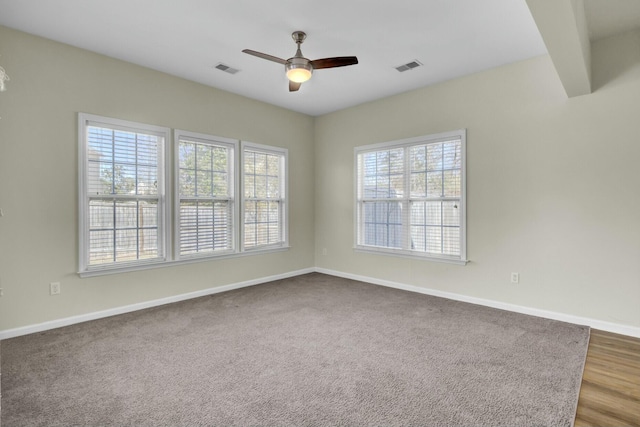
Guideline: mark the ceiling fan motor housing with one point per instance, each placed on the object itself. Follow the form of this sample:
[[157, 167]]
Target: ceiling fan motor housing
[[298, 69]]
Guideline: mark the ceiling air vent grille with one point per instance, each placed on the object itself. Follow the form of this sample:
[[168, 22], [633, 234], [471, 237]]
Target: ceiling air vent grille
[[226, 68], [409, 66]]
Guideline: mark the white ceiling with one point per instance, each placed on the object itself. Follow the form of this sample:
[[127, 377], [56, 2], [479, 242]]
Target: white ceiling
[[188, 38]]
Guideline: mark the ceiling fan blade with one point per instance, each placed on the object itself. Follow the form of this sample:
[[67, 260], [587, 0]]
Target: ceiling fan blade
[[293, 86], [265, 56], [339, 61]]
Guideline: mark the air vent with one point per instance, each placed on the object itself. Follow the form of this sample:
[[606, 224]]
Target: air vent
[[409, 66], [226, 68]]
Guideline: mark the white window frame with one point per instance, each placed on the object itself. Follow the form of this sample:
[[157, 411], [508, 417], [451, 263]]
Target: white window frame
[[284, 196], [406, 251], [164, 234], [169, 200], [230, 144]]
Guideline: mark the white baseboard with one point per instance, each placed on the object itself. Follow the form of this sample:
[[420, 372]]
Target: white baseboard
[[10, 333], [593, 323], [597, 324]]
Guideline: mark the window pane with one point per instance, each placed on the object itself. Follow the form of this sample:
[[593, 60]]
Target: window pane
[[100, 144], [249, 162], [262, 223], [273, 165], [99, 177], [451, 155], [452, 183], [187, 155], [418, 158], [204, 157], [187, 183], [273, 187], [148, 213], [135, 231], [204, 184], [147, 150], [147, 180], [220, 184], [122, 187], [222, 226], [188, 227], [451, 241], [101, 214], [263, 218], [396, 161], [124, 147], [126, 214], [431, 171], [434, 184], [124, 178], [205, 225], [148, 240], [220, 159], [260, 187], [121, 162], [383, 222], [126, 245], [434, 157], [451, 213], [260, 163], [101, 248], [418, 238], [433, 239], [418, 184]]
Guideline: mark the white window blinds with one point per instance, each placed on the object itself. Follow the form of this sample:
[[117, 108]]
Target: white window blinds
[[206, 195], [222, 201], [410, 196], [264, 181], [122, 196]]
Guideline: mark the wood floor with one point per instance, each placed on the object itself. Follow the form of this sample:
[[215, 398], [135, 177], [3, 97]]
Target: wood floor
[[610, 392]]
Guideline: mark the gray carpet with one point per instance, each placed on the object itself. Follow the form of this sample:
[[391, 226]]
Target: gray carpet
[[313, 350]]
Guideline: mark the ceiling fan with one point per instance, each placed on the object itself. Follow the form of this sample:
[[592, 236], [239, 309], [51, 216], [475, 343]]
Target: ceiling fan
[[298, 68]]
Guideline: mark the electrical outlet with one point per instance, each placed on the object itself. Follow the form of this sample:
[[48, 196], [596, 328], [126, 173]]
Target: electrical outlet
[[515, 277], [54, 288]]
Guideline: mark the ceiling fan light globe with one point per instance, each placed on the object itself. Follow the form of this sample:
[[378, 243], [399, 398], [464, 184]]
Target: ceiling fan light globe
[[299, 73]]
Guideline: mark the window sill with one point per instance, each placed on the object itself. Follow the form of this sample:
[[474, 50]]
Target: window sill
[[410, 255], [96, 271]]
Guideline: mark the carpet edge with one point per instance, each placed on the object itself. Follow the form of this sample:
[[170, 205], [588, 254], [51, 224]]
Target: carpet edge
[[617, 328], [72, 320]]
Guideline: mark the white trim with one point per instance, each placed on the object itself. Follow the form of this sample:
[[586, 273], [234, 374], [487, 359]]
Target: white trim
[[594, 323], [39, 327], [553, 315]]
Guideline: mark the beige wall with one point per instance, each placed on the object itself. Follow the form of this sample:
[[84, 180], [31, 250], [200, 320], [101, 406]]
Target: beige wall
[[49, 84], [553, 185]]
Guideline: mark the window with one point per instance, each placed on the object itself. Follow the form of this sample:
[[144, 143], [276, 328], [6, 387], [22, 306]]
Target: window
[[122, 193], [264, 206], [410, 197], [205, 187], [126, 218]]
